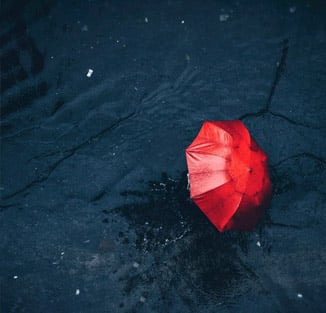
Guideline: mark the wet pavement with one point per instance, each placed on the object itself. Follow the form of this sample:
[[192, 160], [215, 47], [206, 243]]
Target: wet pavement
[[99, 99]]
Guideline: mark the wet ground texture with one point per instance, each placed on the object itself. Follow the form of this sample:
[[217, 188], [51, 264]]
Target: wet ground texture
[[99, 99]]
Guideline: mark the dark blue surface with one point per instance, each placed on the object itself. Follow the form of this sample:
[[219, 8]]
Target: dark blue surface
[[95, 214]]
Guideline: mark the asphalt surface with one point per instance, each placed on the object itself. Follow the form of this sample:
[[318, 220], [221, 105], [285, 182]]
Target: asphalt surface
[[99, 100]]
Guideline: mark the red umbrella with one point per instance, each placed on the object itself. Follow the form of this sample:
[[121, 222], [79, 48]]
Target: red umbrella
[[228, 175]]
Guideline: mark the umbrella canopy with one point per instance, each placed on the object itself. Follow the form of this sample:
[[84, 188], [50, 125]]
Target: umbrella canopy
[[228, 175]]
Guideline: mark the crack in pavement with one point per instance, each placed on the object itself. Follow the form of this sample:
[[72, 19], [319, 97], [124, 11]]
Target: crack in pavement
[[279, 71], [52, 153], [278, 74], [69, 153], [301, 155], [295, 122], [283, 225], [283, 182]]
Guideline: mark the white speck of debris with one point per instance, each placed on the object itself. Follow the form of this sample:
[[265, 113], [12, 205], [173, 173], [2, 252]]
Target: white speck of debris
[[52, 57], [277, 64], [182, 22], [135, 264], [77, 292], [142, 299], [62, 253], [258, 244], [87, 241], [166, 240], [292, 9], [90, 72], [146, 20], [224, 17], [136, 88], [15, 277], [118, 41], [84, 28], [299, 295], [146, 223]]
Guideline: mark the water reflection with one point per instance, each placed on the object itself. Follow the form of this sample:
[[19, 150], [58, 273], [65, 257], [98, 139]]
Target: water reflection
[[189, 254]]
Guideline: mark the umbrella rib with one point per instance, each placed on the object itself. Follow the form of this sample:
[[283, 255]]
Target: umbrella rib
[[212, 144], [209, 172], [222, 170], [211, 189], [209, 153]]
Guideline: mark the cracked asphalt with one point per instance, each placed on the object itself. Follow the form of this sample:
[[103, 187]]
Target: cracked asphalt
[[95, 214]]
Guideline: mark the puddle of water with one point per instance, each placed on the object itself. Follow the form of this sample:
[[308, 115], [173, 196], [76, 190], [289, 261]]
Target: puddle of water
[[180, 249]]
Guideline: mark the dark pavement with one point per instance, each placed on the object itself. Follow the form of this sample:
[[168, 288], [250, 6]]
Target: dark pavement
[[95, 214]]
